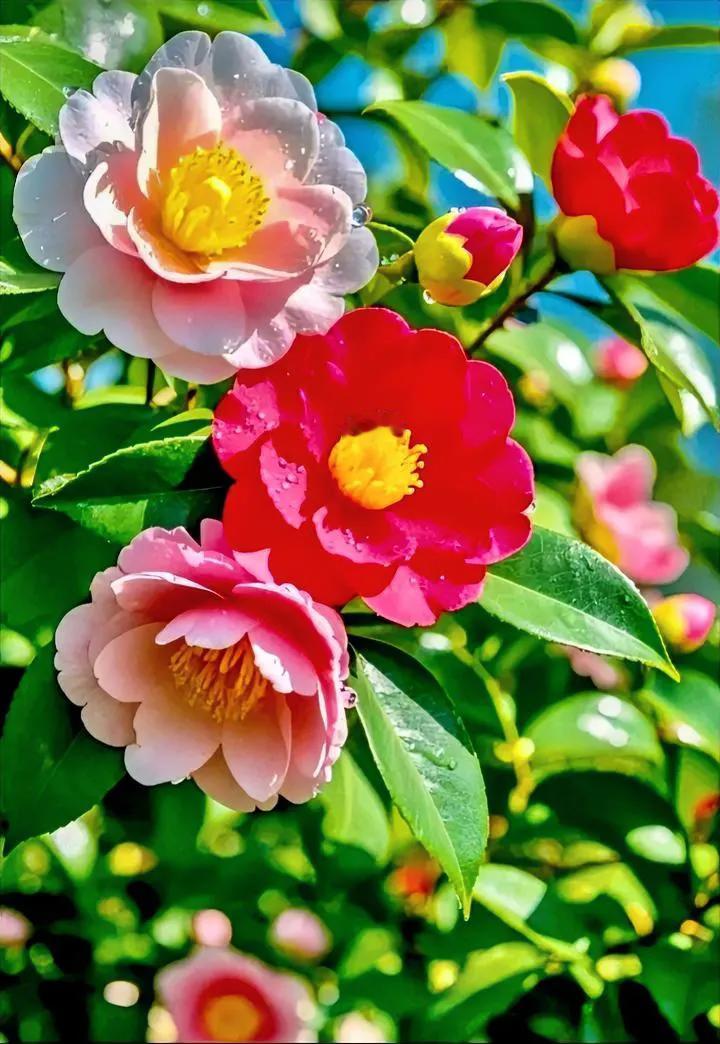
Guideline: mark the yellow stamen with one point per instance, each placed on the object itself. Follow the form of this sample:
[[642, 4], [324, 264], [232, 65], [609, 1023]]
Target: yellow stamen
[[377, 468], [225, 682], [213, 201], [232, 1018]]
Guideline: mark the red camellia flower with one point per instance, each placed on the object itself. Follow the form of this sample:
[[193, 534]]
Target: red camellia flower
[[633, 195], [376, 461]]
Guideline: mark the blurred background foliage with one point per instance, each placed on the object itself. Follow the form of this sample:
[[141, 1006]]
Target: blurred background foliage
[[596, 917]]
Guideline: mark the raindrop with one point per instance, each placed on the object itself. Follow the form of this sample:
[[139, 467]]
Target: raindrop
[[67, 91], [361, 215], [350, 698], [452, 764], [428, 298]]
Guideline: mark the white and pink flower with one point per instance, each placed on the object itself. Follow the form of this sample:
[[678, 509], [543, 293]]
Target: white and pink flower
[[201, 212], [195, 661], [301, 934], [222, 995]]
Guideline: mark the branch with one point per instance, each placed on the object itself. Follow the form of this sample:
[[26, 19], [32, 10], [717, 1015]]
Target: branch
[[516, 303]]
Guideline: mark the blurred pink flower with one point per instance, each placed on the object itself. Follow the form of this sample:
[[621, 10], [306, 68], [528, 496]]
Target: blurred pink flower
[[211, 928], [356, 1029], [685, 620], [222, 995], [201, 212], [192, 658], [616, 516], [603, 674], [619, 362], [300, 933], [15, 928]]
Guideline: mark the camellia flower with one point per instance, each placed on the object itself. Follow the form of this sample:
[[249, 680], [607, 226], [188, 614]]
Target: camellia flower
[[633, 196], [616, 516], [685, 620], [201, 212], [198, 664], [211, 928], [15, 929], [462, 256], [601, 672], [356, 1028], [300, 933], [221, 995], [376, 461], [619, 362]]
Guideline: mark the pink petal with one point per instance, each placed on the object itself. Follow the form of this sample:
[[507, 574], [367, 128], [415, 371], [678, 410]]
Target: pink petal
[[160, 595], [412, 599], [188, 50], [173, 738], [111, 191], [87, 120], [49, 212], [201, 369], [109, 721], [289, 122], [311, 310], [132, 667], [210, 626], [107, 290], [182, 115], [337, 165], [207, 318], [257, 749], [215, 778], [160, 254], [353, 266]]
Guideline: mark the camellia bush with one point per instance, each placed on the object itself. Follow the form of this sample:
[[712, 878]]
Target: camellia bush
[[360, 504]]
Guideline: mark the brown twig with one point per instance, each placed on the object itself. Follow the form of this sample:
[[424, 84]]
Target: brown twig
[[514, 304]]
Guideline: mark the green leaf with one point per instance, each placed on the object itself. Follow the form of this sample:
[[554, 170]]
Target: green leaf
[[426, 759], [688, 711], [464, 143], [36, 78], [51, 771], [683, 983], [539, 115], [652, 37], [541, 346], [86, 435], [592, 731], [486, 968], [561, 590], [28, 279], [355, 815], [674, 354], [526, 19], [689, 296], [472, 50], [134, 487], [615, 880], [249, 16], [508, 890]]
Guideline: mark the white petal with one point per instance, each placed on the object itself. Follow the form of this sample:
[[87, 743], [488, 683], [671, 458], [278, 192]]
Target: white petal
[[49, 212], [290, 122], [337, 165], [200, 369], [188, 50], [87, 121], [312, 310], [352, 267]]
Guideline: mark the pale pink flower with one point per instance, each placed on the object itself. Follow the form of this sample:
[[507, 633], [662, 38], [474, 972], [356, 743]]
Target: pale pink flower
[[685, 620], [195, 661], [616, 515], [201, 211], [222, 995], [211, 928], [355, 1028], [15, 928], [602, 673], [619, 362], [300, 933]]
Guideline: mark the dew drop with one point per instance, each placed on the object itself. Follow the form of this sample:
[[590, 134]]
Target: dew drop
[[361, 215], [428, 298]]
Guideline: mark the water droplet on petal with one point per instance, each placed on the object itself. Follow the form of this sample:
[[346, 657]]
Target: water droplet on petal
[[361, 215]]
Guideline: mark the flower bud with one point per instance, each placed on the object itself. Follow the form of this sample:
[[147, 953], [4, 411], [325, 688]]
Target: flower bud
[[617, 78], [685, 620], [462, 256], [620, 363], [300, 934]]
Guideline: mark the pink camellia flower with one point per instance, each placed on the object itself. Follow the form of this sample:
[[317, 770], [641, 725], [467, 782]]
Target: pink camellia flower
[[201, 211], [355, 1028], [685, 620], [196, 662], [616, 516], [462, 256], [222, 995], [620, 363], [300, 933], [603, 674]]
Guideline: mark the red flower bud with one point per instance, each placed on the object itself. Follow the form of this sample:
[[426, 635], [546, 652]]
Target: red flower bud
[[631, 195], [685, 620], [619, 362], [460, 257]]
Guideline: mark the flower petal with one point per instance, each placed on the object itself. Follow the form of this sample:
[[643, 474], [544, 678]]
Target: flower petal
[[257, 749], [216, 779], [173, 739], [88, 121], [206, 318], [49, 212], [336, 164], [352, 267]]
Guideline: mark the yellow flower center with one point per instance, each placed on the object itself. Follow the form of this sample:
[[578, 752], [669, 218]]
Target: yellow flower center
[[231, 1018], [213, 201], [377, 468], [225, 682]]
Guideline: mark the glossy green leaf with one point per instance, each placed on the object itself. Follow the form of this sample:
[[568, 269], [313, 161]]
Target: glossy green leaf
[[473, 149], [28, 279], [615, 880], [53, 773], [526, 19], [689, 296], [508, 890], [355, 815], [561, 590], [252, 16], [539, 115], [688, 712], [651, 37], [681, 995], [134, 487], [487, 968], [544, 347], [36, 77], [472, 51], [593, 731], [426, 759]]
